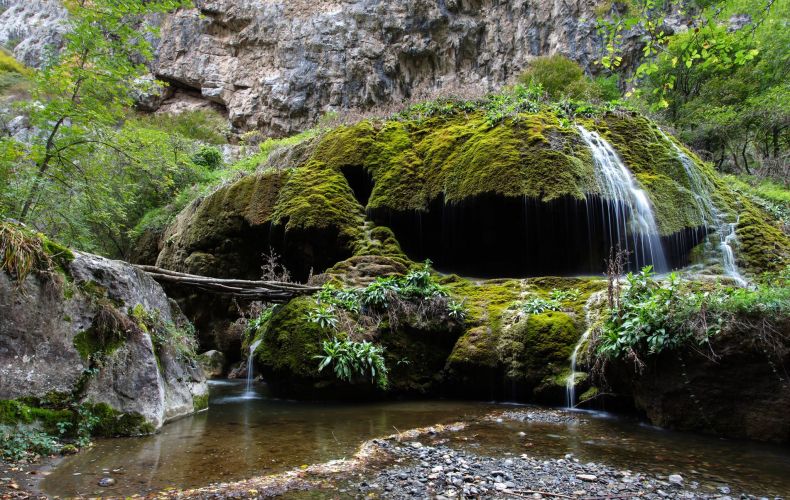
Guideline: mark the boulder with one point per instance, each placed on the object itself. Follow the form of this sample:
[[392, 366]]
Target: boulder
[[213, 363], [101, 332]]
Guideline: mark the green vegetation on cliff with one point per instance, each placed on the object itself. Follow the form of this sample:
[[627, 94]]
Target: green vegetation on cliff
[[651, 315]]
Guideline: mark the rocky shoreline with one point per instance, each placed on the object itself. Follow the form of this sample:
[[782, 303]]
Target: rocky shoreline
[[442, 472], [420, 463]]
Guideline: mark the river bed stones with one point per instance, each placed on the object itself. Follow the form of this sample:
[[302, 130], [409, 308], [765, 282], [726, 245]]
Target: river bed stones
[[427, 471]]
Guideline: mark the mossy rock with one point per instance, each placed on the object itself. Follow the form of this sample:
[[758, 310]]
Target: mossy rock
[[113, 423], [760, 246], [15, 413], [291, 342], [539, 346]]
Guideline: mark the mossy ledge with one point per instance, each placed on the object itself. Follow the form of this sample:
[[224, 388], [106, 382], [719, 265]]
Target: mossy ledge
[[315, 207]]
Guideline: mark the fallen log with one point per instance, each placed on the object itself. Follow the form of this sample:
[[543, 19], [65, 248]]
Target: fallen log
[[269, 291]]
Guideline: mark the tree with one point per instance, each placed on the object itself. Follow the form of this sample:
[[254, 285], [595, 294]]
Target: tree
[[720, 84], [85, 91]]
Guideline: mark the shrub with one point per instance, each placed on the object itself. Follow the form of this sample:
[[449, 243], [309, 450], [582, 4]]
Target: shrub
[[208, 157], [352, 360], [653, 316], [554, 73], [10, 65]]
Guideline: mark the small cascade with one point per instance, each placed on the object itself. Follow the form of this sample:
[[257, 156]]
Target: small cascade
[[250, 369], [701, 189], [728, 256], [570, 382], [627, 209], [592, 311]]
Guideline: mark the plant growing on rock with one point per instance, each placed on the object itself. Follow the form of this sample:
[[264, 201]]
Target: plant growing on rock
[[652, 316], [537, 305], [568, 295], [323, 315], [456, 310], [353, 360], [180, 338]]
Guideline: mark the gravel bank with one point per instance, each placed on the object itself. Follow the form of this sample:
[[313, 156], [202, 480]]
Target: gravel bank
[[424, 471]]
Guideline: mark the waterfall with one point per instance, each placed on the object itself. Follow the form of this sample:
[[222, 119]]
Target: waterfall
[[626, 206], [592, 311], [570, 382], [701, 187], [728, 237], [250, 370]]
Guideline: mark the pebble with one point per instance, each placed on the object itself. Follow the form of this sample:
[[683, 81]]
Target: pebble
[[106, 481], [441, 471], [675, 479]]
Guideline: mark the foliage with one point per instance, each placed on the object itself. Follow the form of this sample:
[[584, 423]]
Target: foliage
[[417, 284], [323, 315], [561, 77], [10, 65], [457, 310], [723, 86], [255, 324], [351, 360], [565, 295], [208, 157], [653, 316], [17, 443], [538, 305], [202, 125], [80, 176], [23, 251]]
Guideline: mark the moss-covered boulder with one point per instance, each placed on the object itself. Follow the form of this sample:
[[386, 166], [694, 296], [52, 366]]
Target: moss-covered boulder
[[479, 187]]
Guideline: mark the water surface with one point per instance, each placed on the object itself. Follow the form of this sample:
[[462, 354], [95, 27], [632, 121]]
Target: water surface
[[240, 437]]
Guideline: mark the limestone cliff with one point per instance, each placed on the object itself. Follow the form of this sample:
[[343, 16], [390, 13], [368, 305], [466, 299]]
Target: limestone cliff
[[277, 66]]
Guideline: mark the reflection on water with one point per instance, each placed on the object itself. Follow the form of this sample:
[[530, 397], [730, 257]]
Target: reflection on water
[[240, 437]]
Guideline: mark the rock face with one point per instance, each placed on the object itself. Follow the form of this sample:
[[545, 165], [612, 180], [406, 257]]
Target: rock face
[[55, 340], [32, 28], [744, 392], [278, 65]]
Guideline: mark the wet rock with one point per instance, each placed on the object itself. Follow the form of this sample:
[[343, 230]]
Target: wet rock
[[675, 479], [106, 482], [586, 477]]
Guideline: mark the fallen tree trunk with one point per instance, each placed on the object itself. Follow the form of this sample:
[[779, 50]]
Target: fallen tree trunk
[[268, 291]]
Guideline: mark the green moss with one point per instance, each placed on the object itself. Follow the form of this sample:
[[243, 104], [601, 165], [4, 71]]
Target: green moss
[[200, 402], [291, 341], [674, 206], [761, 246], [18, 413], [539, 345], [90, 343], [346, 145], [251, 199], [485, 302], [317, 196], [114, 423], [589, 394]]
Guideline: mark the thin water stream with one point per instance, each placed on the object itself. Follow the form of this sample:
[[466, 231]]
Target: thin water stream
[[240, 437]]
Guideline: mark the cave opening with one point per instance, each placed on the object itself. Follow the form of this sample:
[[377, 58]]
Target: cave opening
[[491, 236], [360, 181]]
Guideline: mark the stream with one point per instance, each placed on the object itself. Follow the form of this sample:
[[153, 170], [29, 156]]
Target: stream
[[242, 436]]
